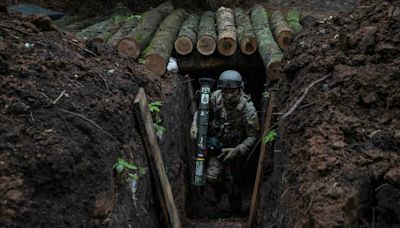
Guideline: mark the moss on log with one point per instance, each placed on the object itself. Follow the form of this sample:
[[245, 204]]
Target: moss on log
[[187, 36], [165, 8], [293, 20], [67, 20], [77, 26], [246, 37], [107, 34], [157, 54], [227, 39], [136, 40], [129, 25], [281, 30], [207, 36], [267, 47], [103, 29]]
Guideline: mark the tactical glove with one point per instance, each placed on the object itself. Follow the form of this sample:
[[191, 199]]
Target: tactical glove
[[231, 153], [193, 132]]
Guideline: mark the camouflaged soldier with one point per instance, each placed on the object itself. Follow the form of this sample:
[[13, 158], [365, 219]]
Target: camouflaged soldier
[[234, 122]]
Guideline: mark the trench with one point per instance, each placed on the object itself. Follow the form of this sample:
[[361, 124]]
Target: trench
[[209, 206], [278, 206]]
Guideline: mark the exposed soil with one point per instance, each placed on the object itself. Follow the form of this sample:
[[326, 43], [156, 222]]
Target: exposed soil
[[340, 161], [58, 148], [66, 115]]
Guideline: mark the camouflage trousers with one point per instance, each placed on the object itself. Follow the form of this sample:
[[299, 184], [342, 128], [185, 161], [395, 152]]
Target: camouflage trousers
[[225, 178]]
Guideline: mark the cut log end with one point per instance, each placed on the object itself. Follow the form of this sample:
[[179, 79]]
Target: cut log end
[[206, 45], [129, 48], [183, 45], [155, 64], [284, 39], [273, 71], [227, 46], [249, 45]]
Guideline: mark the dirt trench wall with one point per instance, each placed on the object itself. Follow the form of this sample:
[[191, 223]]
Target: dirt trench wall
[[340, 166], [175, 144], [65, 118]]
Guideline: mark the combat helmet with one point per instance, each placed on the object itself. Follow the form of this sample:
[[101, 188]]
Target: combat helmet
[[230, 79]]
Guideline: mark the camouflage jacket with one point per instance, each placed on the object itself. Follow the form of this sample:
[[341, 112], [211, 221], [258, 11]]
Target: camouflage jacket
[[235, 127]]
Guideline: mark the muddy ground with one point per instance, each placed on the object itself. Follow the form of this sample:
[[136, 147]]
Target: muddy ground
[[67, 116]]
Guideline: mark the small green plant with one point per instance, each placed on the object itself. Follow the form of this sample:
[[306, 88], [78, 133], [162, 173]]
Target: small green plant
[[137, 17], [155, 106], [155, 109], [141, 60], [131, 168], [269, 137], [265, 94]]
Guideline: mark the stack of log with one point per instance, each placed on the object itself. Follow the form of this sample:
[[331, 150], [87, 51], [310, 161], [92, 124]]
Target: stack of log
[[154, 34], [101, 32], [137, 39], [158, 52]]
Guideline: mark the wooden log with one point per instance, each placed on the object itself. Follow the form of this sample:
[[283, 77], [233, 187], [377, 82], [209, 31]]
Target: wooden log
[[246, 37], [187, 36], [281, 30], [129, 25], [196, 63], [67, 20], [267, 47], [293, 20], [133, 43], [82, 24], [107, 34], [227, 40], [165, 8], [105, 29], [157, 54], [154, 153], [207, 37], [255, 199]]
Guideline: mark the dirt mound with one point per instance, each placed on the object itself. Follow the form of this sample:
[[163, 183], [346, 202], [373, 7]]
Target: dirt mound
[[65, 116], [342, 143]]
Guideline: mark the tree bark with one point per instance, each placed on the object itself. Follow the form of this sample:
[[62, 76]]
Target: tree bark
[[165, 8], [206, 42], [129, 25], [67, 20], [102, 30], [267, 48], [160, 48], [281, 30], [82, 24], [106, 35], [133, 43], [196, 63], [247, 38], [293, 20], [187, 36], [227, 40]]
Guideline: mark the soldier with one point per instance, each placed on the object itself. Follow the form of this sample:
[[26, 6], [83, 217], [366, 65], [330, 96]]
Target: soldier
[[233, 125]]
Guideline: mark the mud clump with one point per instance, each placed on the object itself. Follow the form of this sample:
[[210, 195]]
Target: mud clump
[[342, 143]]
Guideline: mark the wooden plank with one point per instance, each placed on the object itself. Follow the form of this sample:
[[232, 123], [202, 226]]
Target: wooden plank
[[193, 106], [260, 168], [151, 144]]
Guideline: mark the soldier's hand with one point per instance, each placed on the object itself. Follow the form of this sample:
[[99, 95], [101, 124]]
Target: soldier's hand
[[231, 153], [193, 132]]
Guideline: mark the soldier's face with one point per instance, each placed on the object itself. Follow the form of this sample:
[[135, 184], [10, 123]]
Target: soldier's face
[[230, 95]]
